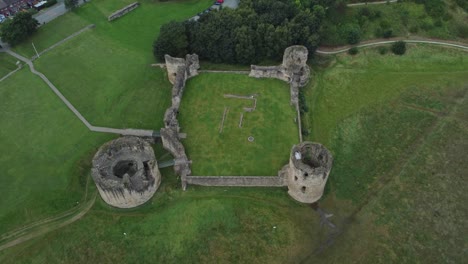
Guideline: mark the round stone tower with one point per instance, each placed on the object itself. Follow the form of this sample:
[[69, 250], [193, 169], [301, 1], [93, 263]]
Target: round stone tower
[[309, 167], [126, 172]]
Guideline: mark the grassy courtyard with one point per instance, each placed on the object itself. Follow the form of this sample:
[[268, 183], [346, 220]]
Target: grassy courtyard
[[230, 153]]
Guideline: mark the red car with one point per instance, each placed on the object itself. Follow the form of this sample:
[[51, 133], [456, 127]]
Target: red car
[[218, 2]]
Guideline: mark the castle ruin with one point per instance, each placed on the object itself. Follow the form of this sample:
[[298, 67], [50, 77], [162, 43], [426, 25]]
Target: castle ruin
[[126, 172], [307, 171]]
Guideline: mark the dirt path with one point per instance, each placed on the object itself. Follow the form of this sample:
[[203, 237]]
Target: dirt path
[[377, 42], [49, 224]]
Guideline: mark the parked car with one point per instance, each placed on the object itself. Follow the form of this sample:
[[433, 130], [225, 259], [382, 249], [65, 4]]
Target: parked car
[[2, 18], [219, 2]]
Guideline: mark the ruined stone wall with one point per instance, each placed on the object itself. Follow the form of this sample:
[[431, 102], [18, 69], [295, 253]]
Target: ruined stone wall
[[123, 11], [294, 70], [276, 72], [242, 181], [178, 70]]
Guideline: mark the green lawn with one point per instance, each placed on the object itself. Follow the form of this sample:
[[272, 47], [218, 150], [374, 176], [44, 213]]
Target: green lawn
[[105, 72], [201, 225], [7, 64], [46, 152], [396, 190], [230, 153]]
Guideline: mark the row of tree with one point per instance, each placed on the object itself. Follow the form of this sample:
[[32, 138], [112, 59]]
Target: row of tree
[[256, 31]]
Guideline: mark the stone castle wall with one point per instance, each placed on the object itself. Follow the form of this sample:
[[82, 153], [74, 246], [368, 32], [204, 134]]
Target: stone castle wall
[[123, 11], [178, 70], [242, 181]]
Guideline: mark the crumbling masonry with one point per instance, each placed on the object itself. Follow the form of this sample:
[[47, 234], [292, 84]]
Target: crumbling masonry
[[126, 172], [178, 70], [307, 171], [123, 11], [293, 70]]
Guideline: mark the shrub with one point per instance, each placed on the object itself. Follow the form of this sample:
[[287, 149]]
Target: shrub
[[352, 34], [462, 30], [435, 8], [383, 50], [399, 47], [463, 4], [353, 51], [388, 33], [414, 29]]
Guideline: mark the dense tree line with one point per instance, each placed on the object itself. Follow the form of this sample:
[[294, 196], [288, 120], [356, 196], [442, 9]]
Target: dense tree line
[[256, 31]]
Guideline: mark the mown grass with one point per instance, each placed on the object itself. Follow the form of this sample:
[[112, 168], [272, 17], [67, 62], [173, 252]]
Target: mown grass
[[7, 64], [105, 72], [230, 153], [45, 155], [136, 30], [201, 225]]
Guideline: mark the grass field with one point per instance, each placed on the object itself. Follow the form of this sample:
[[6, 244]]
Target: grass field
[[230, 153], [404, 19], [105, 72], [45, 152], [397, 127], [396, 189], [201, 225], [7, 64]]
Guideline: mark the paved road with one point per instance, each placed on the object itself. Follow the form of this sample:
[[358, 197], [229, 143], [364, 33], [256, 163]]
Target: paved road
[[53, 12], [336, 50]]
